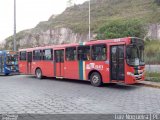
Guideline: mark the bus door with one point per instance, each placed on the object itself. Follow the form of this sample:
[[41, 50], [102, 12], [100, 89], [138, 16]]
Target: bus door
[[59, 63], [117, 62], [29, 62]]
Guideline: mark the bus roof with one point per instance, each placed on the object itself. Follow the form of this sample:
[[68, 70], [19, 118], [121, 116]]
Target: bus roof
[[8, 52], [126, 40]]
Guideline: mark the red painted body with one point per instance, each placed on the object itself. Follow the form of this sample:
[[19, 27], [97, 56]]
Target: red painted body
[[71, 69]]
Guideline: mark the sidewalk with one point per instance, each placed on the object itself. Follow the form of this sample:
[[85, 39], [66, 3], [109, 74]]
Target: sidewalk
[[150, 84]]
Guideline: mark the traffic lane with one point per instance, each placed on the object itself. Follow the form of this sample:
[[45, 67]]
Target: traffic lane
[[26, 94]]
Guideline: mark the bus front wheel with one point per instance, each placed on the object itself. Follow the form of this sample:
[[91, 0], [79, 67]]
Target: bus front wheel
[[39, 73], [96, 79]]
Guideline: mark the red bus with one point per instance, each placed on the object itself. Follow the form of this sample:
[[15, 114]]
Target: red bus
[[101, 61]]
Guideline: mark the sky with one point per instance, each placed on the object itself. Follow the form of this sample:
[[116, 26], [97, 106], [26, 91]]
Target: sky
[[28, 13]]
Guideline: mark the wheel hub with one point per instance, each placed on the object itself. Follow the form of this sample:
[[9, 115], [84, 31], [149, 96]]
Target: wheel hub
[[38, 73], [95, 79]]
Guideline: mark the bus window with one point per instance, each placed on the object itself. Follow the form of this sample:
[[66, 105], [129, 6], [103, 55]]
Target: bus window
[[71, 54], [23, 55], [16, 59], [48, 54], [59, 56], [37, 55], [84, 53], [99, 52], [10, 60]]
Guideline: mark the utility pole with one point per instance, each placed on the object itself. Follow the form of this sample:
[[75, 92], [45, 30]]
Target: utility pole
[[89, 20], [14, 44]]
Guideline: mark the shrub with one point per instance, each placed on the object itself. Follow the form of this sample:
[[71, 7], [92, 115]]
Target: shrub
[[152, 52], [120, 28]]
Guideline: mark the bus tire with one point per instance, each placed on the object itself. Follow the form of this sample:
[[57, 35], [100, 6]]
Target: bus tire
[[39, 73], [96, 79]]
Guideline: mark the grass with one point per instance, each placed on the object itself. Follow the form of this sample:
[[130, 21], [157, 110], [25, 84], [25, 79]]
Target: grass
[[153, 76], [152, 52]]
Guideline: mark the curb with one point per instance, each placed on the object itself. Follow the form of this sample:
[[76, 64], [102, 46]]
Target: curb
[[150, 84]]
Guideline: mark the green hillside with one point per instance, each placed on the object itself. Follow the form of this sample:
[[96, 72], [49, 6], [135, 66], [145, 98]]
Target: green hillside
[[114, 15], [102, 12]]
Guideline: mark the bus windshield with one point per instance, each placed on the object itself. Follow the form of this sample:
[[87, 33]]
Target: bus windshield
[[135, 55]]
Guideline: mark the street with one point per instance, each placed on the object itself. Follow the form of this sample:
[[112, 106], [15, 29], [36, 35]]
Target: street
[[152, 68], [26, 94]]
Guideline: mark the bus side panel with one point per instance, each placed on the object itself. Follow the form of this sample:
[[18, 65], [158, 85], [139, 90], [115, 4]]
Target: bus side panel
[[105, 72], [22, 67], [101, 66], [47, 68], [37, 64], [58, 70], [71, 69]]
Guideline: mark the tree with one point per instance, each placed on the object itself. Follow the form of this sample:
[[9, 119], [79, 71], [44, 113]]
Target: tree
[[70, 3], [120, 28]]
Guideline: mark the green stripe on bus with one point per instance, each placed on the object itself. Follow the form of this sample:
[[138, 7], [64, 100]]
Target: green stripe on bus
[[81, 70], [81, 43], [81, 66]]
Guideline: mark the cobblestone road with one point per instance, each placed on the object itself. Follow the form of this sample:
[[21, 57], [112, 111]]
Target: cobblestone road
[[26, 94]]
